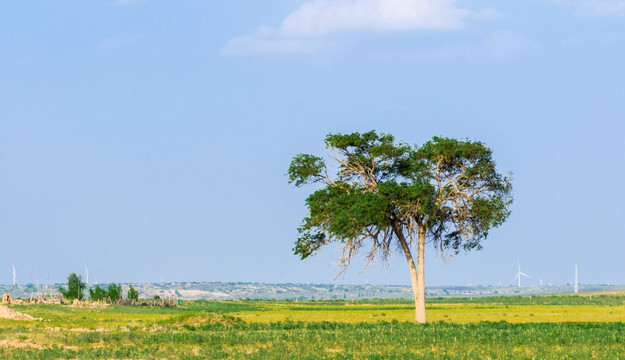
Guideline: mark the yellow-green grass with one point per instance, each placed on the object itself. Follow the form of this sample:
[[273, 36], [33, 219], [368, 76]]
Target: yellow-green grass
[[64, 327], [457, 313], [65, 317], [600, 293], [281, 329]]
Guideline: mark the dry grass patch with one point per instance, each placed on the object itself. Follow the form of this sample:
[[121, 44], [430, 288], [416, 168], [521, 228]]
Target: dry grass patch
[[6, 313], [15, 343]]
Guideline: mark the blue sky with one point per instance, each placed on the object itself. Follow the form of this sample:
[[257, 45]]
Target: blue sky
[[149, 139]]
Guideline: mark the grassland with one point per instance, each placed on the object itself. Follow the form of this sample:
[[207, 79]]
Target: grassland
[[549, 327]]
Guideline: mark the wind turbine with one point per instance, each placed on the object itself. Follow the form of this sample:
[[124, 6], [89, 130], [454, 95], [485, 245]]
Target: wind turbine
[[519, 274], [14, 276], [576, 287], [87, 274]]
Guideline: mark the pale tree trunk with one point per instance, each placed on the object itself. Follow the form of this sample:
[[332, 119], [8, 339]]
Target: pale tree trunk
[[416, 276], [420, 292]]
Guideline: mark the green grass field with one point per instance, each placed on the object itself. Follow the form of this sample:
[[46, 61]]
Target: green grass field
[[546, 327]]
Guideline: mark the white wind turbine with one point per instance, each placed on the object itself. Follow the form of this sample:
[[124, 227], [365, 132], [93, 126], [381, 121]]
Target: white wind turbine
[[519, 274], [14, 276], [86, 274]]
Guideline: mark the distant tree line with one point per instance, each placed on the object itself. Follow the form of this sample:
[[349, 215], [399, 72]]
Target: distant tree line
[[112, 294]]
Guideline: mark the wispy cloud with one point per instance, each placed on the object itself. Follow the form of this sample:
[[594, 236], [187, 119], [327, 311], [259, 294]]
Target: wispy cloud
[[605, 7], [267, 41], [499, 44], [596, 7], [307, 29], [127, 2]]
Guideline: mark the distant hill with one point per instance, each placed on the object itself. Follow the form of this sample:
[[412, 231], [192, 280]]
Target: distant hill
[[301, 292]]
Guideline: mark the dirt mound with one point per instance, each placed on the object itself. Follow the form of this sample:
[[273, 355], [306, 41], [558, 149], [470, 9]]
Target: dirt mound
[[6, 313]]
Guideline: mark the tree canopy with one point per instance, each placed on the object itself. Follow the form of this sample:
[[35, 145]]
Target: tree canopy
[[75, 287], [114, 292], [97, 293], [385, 193], [133, 294]]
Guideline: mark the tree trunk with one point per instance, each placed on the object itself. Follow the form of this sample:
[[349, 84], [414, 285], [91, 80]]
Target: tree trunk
[[416, 277], [420, 292]]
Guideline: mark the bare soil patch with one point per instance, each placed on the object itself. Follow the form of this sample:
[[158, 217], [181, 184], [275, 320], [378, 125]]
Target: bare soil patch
[[20, 344], [6, 313]]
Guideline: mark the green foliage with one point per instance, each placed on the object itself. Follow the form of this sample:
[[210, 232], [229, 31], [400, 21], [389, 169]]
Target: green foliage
[[75, 287], [97, 293], [114, 292], [306, 169], [133, 294], [470, 198], [383, 190]]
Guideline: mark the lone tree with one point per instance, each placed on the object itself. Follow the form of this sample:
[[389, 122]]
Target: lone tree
[[75, 287], [388, 196], [114, 292], [133, 294]]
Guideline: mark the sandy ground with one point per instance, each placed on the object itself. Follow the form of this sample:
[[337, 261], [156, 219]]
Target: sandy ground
[[6, 313]]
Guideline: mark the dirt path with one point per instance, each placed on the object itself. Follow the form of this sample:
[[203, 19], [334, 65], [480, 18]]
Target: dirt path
[[6, 313]]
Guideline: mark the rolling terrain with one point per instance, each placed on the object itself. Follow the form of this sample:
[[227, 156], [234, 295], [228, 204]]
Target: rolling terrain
[[304, 292]]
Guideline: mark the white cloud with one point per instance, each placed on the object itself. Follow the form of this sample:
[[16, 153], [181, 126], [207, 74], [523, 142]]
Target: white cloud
[[325, 16], [305, 31]]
